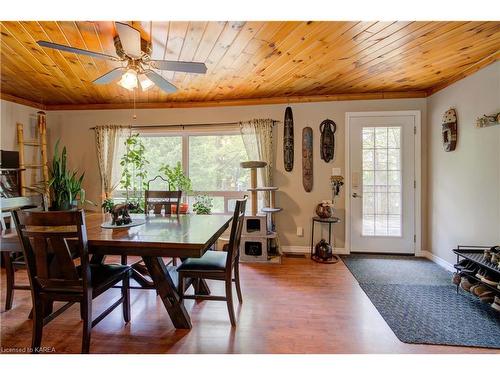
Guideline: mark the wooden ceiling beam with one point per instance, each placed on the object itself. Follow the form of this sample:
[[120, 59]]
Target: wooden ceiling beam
[[15, 99], [243, 102]]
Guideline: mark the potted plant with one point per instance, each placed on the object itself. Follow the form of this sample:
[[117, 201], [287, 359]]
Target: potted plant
[[107, 205], [203, 205], [134, 173], [177, 180], [66, 187]]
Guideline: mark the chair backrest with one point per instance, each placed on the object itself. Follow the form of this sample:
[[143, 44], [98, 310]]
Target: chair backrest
[[156, 199], [233, 249], [49, 240]]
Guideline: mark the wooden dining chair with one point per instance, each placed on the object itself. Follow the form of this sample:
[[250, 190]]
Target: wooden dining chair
[[12, 257], [48, 240], [157, 199], [218, 265]]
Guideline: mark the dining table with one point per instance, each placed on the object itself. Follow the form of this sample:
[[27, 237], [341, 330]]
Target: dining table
[[157, 237], [160, 236]]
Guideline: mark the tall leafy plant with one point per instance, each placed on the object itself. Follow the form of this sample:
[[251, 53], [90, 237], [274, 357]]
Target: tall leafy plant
[[66, 187], [176, 178], [134, 173]]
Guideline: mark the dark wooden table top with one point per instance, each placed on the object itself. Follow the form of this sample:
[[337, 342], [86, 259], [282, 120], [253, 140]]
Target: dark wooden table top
[[170, 235]]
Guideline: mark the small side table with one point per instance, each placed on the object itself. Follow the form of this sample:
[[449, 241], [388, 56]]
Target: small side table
[[330, 221]]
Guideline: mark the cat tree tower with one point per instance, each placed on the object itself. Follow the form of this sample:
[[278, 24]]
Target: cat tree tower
[[259, 237]]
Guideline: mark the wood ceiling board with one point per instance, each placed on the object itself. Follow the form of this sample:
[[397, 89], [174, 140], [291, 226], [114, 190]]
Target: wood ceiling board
[[409, 66], [249, 61], [46, 69], [397, 61], [339, 54]]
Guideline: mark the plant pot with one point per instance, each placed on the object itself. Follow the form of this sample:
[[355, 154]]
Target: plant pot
[[65, 206], [324, 211], [183, 208]]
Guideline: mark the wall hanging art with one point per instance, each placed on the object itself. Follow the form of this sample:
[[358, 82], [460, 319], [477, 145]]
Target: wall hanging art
[[307, 159], [450, 130], [488, 120], [288, 140], [327, 148]]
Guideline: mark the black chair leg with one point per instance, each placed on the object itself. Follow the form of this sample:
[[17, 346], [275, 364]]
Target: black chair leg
[[124, 260], [9, 273], [86, 307], [126, 298], [229, 300], [181, 288], [237, 282]]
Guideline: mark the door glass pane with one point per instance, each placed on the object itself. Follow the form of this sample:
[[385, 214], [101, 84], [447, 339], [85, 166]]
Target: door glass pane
[[381, 181]]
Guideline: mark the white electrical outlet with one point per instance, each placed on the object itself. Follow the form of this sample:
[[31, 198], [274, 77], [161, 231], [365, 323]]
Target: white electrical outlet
[[300, 231]]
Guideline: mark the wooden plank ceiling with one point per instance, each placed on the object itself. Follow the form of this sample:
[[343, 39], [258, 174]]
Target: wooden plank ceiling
[[248, 62]]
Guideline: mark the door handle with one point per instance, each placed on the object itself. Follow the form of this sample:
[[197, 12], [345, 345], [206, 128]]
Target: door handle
[[356, 195]]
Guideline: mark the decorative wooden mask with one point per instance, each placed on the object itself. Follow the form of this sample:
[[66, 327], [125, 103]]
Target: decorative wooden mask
[[450, 130]]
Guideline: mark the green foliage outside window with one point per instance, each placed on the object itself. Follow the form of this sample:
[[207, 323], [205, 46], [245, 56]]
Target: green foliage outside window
[[134, 172]]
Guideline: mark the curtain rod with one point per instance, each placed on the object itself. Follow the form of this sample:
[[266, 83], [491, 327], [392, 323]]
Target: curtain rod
[[181, 125]]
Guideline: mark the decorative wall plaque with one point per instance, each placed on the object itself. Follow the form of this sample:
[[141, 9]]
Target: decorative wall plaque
[[327, 129], [307, 158], [288, 140], [450, 130]]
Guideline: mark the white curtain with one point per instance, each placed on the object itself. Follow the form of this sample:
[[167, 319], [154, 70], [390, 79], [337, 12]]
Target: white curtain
[[257, 137], [107, 139]]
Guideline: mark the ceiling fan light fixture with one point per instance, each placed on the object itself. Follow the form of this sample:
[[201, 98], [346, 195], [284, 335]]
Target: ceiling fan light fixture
[[129, 80], [145, 82]]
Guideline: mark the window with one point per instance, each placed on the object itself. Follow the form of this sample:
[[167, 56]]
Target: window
[[382, 181], [210, 159]]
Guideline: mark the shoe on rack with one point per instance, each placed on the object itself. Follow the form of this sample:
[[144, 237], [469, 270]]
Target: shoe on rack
[[464, 263], [479, 289], [487, 297], [467, 283], [480, 273], [455, 279], [471, 269], [489, 279], [496, 306]]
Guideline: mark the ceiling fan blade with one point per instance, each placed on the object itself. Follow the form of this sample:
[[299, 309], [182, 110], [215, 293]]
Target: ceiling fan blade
[[110, 76], [130, 39], [61, 47], [161, 82], [180, 66]]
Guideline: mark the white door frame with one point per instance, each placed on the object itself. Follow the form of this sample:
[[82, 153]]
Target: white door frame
[[418, 173]]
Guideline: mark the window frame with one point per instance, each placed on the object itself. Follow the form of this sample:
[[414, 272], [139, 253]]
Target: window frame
[[184, 132]]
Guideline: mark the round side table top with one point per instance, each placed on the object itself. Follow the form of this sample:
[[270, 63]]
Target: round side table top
[[326, 220]]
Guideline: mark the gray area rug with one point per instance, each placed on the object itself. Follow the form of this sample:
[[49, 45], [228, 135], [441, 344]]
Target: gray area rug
[[420, 304]]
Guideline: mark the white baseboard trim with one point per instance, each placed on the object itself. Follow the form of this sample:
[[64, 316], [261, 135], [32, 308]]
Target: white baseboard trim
[[439, 261], [307, 250]]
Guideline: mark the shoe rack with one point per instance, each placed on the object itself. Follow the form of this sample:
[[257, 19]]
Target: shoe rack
[[475, 254]]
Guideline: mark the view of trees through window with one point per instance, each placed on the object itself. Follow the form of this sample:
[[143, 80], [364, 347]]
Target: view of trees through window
[[214, 163]]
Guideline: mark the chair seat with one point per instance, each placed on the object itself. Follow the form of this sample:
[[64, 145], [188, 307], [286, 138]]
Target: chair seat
[[210, 261], [105, 274]]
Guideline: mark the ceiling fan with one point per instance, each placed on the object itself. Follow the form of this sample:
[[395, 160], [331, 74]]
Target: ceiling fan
[[135, 52]]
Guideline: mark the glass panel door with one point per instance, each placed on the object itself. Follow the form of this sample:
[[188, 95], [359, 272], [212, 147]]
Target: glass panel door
[[381, 192]]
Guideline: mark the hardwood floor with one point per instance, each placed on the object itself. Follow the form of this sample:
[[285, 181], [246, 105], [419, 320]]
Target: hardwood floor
[[297, 307]]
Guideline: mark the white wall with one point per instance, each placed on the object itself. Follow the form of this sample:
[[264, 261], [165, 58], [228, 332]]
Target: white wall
[[464, 185], [297, 204]]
